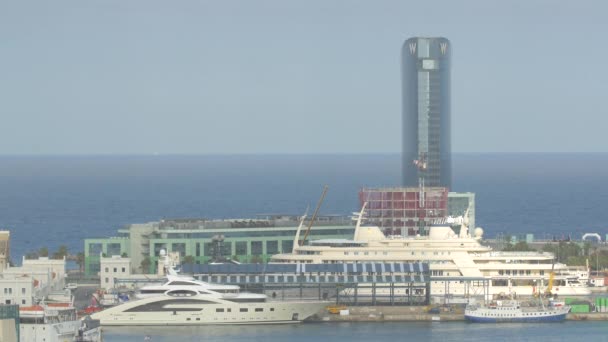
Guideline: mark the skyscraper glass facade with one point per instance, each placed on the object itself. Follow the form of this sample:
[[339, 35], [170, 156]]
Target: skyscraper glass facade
[[426, 152]]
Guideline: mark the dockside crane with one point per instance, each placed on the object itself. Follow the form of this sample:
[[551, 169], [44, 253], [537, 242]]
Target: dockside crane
[[314, 215]]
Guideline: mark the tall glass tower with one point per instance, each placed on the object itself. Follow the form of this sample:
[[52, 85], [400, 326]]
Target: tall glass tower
[[426, 153]]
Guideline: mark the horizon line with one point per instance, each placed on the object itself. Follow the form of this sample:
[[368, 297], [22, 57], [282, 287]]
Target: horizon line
[[142, 154]]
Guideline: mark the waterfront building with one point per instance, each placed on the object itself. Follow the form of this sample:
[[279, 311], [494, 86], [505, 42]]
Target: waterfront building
[[35, 279], [112, 268], [200, 240], [410, 211], [5, 238], [426, 151]]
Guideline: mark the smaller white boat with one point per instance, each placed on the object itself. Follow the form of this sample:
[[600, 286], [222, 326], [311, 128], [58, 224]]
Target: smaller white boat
[[54, 322], [502, 311]]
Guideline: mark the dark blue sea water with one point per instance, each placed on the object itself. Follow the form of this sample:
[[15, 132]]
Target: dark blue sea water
[[369, 332], [49, 201]]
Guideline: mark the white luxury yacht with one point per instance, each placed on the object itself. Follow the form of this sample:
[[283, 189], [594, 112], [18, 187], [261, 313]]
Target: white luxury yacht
[[182, 300], [175, 281], [449, 255]]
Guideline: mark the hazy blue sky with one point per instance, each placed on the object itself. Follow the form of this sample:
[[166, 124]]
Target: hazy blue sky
[[294, 76]]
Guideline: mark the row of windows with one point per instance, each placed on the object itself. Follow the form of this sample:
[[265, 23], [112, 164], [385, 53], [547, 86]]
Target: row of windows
[[115, 270], [520, 272], [386, 253], [8, 301], [9, 290], [240, 246], [242, 310]]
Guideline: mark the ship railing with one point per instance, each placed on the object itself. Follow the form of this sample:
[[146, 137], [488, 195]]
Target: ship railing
[[513, 254]]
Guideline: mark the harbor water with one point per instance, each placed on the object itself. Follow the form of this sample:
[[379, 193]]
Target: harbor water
[[360, 331]]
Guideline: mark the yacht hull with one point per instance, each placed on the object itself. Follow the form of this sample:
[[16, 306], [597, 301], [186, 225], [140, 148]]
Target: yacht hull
[[208, 313]]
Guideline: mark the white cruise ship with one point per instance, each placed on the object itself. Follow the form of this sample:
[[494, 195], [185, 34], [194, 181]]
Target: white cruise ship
[[449, 255]]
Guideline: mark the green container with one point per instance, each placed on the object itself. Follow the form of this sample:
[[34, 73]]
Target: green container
[[579, 308], [598, 301], [569, 300]]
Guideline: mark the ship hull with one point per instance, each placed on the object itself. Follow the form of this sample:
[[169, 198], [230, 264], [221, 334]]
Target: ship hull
[[550, 318], [211, 314]]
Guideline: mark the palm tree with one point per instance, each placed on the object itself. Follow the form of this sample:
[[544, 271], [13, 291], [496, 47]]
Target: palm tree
[[145, 265], [61, 252], [188, 259], [80, 262]]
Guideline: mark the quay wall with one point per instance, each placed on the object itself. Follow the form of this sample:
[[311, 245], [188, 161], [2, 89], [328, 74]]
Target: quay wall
[[419, 313]]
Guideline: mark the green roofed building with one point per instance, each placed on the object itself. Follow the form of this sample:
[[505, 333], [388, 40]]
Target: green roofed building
[[244, 240]]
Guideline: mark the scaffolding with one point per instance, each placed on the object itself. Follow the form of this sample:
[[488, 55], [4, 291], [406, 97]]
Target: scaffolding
[[405, 211]]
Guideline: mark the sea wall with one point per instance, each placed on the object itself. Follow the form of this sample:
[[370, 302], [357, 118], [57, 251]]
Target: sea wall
[[419, 313]]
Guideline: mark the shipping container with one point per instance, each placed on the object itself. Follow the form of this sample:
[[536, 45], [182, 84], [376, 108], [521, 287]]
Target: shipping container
[[579, 308]]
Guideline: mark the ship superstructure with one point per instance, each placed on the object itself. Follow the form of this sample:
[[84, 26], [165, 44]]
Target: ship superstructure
[[450, 255]]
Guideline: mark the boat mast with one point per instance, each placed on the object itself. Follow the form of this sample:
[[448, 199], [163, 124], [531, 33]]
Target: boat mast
[[297, 237], [359, 219]]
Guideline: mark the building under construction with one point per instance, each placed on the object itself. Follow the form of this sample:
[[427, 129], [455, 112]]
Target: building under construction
[[405, 211], [410, 211]]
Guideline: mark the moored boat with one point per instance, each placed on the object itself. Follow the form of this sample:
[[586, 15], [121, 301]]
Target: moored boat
[[502, 311], [55, 322]]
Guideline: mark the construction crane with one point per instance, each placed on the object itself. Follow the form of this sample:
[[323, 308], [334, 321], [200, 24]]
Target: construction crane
[[550, 283], [314, 215], [421, 165]]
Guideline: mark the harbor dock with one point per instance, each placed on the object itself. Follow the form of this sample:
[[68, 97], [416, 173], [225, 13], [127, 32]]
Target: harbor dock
[[420, 314]]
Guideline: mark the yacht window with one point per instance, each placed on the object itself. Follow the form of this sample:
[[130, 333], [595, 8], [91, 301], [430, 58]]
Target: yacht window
[[182, 283], [152, 291], [181, 293], [169, 305], [219, 310], [271, 309], [259, 309], [229, 310], [244, 310]]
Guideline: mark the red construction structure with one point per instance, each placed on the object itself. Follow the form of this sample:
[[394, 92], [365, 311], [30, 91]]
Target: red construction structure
[[404, 211]]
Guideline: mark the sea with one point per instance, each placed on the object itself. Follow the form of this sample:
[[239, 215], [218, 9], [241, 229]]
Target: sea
[[361, 331], [49, 201]]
